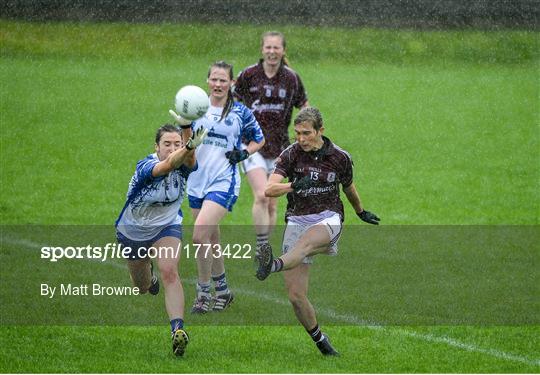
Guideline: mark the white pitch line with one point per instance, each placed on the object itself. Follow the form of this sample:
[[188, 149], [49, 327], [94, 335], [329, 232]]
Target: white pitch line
[[354, 320], [346, 318]]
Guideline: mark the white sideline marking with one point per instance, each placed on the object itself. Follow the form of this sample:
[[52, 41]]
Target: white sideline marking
[[346, 318], [354, 320]]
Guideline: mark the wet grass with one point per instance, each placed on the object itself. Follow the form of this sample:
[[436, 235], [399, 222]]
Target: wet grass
[[442, 126], [237, 43]]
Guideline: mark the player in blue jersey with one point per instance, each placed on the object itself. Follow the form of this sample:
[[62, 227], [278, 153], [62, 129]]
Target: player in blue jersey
[[151, 218], [214, 187]]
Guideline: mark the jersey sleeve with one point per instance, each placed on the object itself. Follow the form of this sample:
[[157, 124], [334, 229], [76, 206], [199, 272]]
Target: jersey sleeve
[[240, 87], [144, 169], [251, 130], [300, 96], [185, 171], [346, 174], [283, 163]]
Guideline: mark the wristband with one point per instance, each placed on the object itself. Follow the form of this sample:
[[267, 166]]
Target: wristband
[[185, 126]]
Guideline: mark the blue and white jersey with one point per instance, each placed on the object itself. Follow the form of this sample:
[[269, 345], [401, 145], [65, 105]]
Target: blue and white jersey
[[152, 202], [215, 173]]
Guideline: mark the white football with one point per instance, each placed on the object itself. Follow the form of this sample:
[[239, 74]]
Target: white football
[[191, 102]]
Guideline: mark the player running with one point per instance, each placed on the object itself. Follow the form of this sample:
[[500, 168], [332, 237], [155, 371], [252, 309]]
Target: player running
[[271, 89], [214, 187], [316, 167], [151, 217]]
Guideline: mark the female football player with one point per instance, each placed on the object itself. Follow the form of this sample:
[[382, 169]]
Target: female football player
[[271, 89], [214, 187], [315, 167], [151, 217]]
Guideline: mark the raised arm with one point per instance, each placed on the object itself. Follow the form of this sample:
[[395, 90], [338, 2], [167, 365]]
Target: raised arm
[[184, 155]]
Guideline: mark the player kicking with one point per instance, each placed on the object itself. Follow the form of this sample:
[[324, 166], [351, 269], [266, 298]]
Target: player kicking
[[151, 217], [314, 213]]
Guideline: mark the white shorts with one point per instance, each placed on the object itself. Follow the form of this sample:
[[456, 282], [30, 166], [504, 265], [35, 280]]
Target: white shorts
[[296, 229], [258, 161]]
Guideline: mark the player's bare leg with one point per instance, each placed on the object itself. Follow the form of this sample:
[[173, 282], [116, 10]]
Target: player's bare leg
[[168, 269], [260, 210], [272, 213], [297, 281], [224, 297], [315, 240], [140, 274], [206, 234]]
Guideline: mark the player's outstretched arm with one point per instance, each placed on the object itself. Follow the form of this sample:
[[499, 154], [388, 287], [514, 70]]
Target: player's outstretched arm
[[184, 155], [356, 203], [275, 187]]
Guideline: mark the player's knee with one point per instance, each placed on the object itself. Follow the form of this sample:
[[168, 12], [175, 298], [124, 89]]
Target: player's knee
[[169, 274], [261, 199], [297, 297], [200, 237]]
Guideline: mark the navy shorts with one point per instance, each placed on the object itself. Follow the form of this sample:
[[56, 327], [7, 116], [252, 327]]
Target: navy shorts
[[220, 197], [169, 231]]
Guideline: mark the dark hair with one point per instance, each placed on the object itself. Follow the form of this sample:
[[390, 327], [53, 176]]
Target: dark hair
[[310, 114], [167, 128], [230, 99], [279, 34]]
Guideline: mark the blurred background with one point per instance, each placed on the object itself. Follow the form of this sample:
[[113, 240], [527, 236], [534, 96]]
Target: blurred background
[[419, 14]]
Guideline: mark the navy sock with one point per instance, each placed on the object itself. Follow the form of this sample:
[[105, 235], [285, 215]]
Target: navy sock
[[203, 289], [176, 324], [220, 284], [315, 333]]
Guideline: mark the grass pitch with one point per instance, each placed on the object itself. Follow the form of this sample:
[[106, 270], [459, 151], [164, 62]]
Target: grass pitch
[[443, 129]]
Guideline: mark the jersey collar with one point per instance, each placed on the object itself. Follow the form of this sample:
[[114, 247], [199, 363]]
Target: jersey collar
[[326, 149]]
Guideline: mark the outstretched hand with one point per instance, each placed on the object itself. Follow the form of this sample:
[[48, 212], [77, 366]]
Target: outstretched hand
[[179, 119], [369, 217], [196, 138], [236, 155]]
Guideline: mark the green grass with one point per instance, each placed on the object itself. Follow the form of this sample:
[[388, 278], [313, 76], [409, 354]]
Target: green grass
[[443, 128], [252, 350], [431, 145]]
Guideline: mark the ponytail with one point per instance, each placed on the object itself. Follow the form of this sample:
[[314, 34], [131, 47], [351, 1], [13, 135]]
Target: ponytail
[[285, 61], [228, 105]]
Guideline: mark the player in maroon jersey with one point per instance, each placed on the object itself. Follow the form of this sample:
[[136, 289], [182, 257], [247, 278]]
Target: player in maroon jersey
[[316, 167], [271, 89]]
